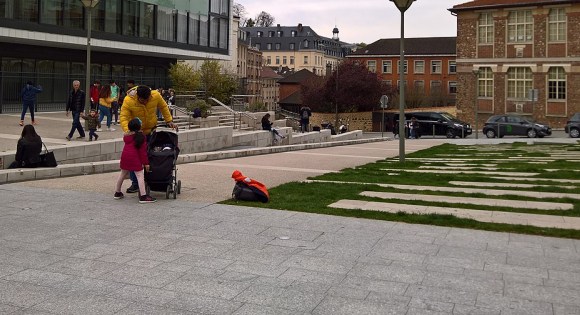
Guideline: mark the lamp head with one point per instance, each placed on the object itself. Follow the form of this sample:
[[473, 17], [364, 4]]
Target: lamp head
[[90, 3], [402, 5]]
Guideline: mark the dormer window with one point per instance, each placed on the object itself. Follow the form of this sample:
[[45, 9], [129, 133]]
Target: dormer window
[[305, 44], [260, 34], [271, 34], [293, 33], [279, 33]]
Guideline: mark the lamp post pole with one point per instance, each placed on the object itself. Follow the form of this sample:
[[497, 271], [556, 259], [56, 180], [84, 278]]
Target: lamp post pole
[[402, 5], [89, 5], [476, 105]]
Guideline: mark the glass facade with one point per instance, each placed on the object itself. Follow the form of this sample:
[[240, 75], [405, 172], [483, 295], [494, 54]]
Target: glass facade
[[196, 25]]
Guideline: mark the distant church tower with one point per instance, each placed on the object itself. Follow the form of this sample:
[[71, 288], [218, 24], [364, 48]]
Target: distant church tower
[[335, 33]]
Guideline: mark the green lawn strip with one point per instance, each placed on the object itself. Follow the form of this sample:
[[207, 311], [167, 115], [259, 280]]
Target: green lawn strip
[[315, 198]]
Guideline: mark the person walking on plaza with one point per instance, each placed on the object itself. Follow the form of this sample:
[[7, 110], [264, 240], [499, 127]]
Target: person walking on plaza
[[305, 114], [115, 94], [28, 149], [105, 101], [141, 102], [76, 105], [95, 90], [134, 159], [92, 124], [28, 100]]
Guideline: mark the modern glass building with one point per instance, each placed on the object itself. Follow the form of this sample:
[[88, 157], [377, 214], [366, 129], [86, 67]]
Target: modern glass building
[[44, 41]]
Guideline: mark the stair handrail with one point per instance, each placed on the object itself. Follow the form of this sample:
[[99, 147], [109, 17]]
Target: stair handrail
[[249, 116], [174, 108]]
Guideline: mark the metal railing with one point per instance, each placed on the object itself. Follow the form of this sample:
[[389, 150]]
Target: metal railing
[[236, 113]]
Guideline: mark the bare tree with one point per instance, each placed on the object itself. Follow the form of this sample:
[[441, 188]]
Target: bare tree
[[240, 11], [264, 19]]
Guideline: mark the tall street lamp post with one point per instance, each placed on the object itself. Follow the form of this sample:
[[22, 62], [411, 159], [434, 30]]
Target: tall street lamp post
[[476, 105], [402, 5], [89, 5]]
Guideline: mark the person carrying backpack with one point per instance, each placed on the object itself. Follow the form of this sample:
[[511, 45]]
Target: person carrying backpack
[[305, 114]]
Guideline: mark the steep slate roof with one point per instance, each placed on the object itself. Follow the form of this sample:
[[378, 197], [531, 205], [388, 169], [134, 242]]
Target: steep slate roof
[[413, 46], [488, 4], [298, 77]]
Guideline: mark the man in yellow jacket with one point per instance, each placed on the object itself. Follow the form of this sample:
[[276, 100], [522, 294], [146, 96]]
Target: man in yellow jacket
[[141, 102]]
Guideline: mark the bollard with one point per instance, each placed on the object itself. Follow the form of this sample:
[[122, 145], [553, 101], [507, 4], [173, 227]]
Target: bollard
[[433, 131]]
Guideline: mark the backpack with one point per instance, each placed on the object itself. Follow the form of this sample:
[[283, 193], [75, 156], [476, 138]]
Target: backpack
[[305, 114], [243, 192]]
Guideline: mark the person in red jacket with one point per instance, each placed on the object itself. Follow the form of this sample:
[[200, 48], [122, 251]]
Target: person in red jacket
[[134, 158], [95, 90]]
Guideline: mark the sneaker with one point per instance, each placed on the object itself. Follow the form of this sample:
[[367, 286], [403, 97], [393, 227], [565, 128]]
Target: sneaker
[[146, 199], [99, 130], [68, 138], [119, 195], [133, 189], [21, 123], [111, 129]]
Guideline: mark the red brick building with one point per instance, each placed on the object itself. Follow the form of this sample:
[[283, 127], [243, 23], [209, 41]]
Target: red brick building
[[431, 78], [507, 48]]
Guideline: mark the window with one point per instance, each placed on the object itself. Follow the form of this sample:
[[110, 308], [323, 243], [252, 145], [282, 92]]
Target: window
[[279, 33], [271, 33], [269, 46], [305, 60], [277, 60], [419, 66], [292, 46], [284, 60], [519, 82], [520, 26], [452, 87], [293, 33], [388, 83], [372, 66], [387, 66], [291, 60], [452, 67], [485, 28], [166, 19], [182, 27], [557, 25], [305, 44], [436, 66], [556, 83], [399, 66], [259, 34], [258, 46], [58, 12], [419, 86], [485, 83], [435, 86], [277, 46], [269, 60]]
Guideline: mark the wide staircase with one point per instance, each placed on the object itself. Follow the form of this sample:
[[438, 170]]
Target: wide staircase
[[225, 114]]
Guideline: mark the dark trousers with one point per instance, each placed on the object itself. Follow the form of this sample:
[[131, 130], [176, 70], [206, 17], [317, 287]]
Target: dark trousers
[[304, 124], [25, 107], [93, 133], [115, 111], [76, 125]]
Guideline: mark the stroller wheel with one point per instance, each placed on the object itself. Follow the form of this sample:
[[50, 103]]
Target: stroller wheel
[[167, 191], [179, 186]]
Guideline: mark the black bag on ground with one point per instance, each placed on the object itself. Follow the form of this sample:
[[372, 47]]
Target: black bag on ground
[[244, 192], [47, 158]]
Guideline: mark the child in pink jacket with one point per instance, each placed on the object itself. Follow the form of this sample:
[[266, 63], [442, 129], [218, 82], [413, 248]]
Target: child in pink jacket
[[134, 158]]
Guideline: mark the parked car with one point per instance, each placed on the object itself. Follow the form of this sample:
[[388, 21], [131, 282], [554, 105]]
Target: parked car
[[439, 124], [573, 126], [514, 125]]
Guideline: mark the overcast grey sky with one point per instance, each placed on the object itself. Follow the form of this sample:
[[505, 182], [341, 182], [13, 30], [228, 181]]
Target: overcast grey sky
[[361, 20]]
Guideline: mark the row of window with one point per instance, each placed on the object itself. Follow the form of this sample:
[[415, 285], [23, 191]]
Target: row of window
[[418, 66], [520, 26], [276, 33], [435, 86], [332, 51], [130, 18], [520, 82]]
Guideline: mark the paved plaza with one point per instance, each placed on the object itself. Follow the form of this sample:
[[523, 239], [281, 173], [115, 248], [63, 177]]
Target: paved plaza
[[66, 247]]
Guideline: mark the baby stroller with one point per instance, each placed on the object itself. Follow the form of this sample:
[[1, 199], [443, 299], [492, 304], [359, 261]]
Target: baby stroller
[[162, 151]]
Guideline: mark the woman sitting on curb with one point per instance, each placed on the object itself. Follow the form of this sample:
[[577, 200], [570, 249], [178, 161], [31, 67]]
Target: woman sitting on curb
[[28, 149]]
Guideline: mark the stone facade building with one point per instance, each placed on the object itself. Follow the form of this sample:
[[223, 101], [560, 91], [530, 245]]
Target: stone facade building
[[518, 56]]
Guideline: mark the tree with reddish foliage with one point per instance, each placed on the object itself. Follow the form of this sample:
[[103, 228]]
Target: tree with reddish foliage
[[358, 90]]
